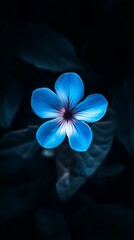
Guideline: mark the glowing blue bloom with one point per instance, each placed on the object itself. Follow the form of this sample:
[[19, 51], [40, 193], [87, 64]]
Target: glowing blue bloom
[[68, 116]]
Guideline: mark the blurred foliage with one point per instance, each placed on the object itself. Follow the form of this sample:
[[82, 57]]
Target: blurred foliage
[[51, 224], [22, 143], [21, 181], [39, 40], [10, 99], [123, 106], [99, 221], [46, 48]]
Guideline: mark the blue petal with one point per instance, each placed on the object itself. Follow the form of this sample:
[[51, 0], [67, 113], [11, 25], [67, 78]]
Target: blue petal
[[79, 135], [51, 134], [45, 103], [91, 109], [70, 88]]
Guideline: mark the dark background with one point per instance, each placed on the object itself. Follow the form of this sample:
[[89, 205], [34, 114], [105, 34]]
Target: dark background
[[101, 33]]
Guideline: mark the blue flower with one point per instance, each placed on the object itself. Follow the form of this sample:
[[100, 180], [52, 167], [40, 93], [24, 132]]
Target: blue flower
[[68, 115]]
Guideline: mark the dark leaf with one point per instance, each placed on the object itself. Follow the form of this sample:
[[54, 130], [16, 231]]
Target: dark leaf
[[46, 48], [10, 99], [21, 181], [101, 221], [110, 170], [22, 143], [16, 200], [51, 224], [123, 107], [74, 168]]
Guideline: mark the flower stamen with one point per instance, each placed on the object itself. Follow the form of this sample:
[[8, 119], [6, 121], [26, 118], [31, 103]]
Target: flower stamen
[[67, 114]]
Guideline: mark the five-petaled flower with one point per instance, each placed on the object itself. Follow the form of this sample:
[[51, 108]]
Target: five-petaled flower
[[68, 115]]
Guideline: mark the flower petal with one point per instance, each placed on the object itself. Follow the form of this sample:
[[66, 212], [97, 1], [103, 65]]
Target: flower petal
[[45, 103], [91, 109], [70, 88], [79, 135], [51, 133]]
